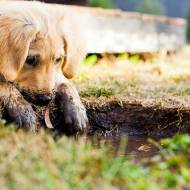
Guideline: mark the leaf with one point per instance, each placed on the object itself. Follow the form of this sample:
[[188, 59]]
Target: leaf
[[144, 148], [47, 120]]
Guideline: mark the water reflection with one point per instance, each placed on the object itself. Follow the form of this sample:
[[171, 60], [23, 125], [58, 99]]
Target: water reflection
[[136, 147]]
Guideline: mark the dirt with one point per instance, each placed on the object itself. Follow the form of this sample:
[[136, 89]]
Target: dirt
[[114, 118]]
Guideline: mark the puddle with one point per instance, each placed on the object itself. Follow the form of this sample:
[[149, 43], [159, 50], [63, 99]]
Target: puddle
[[138, 148]]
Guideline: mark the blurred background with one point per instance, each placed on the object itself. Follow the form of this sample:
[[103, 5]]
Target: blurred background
[[172, 8]]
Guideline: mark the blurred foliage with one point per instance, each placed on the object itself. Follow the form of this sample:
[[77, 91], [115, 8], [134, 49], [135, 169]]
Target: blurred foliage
[[150, 7], [178, 143], [101, 3], [188, 26], [31, 161], [135, 58], [91, 60], [123, 56]]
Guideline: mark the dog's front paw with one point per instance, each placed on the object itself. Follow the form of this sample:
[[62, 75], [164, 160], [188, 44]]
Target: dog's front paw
[[20, 112], [73, 112]]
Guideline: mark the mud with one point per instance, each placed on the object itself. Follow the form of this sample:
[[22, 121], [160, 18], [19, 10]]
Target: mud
[[115, 119]]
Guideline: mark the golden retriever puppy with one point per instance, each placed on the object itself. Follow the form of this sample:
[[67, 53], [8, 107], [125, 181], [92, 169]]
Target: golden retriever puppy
[[41, 47]]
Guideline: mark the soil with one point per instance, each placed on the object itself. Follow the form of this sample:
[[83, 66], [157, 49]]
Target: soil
[[113, 119]]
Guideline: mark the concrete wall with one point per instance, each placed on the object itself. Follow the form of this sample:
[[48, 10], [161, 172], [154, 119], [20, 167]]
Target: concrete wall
[[114, 31]]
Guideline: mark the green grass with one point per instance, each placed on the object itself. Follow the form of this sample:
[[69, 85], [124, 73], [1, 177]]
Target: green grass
[[29, 161], [97, 92], [179, 90], [90, 60]]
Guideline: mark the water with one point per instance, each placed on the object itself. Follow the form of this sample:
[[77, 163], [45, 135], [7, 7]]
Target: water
[[138, 148]]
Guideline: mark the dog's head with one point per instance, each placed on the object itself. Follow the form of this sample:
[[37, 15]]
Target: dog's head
[[37, 48]]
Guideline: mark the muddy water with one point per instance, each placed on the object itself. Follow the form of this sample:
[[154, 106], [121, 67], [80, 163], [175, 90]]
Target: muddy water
[[138, 148]]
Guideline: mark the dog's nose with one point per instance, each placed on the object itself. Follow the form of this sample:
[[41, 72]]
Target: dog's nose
[[44, 98], [38, 98]]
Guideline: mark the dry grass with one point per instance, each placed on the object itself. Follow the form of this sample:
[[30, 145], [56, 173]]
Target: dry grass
[[163, 81]]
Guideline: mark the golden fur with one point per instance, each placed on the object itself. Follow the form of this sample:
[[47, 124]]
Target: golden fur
[[48, 33]]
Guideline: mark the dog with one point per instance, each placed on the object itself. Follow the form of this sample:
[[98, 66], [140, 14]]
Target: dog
[[41, 47]]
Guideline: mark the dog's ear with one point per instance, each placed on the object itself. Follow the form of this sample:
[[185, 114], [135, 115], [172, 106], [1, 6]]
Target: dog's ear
[[74, 46], [16, 35]]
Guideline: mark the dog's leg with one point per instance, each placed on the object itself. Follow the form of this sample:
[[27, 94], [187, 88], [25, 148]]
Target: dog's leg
[[73, 111], [16, 108]]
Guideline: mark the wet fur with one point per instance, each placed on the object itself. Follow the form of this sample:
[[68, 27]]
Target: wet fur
[[15, 108]]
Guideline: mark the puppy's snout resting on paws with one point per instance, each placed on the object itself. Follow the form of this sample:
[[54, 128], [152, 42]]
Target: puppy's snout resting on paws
[[40, 49], [37, 97]]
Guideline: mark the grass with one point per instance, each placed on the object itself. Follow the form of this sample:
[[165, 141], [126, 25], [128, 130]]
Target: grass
[[97, 92], [128, 77], [38, 162], [90, 60]]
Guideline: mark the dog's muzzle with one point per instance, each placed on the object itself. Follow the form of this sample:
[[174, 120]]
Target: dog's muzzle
[[37, 97]]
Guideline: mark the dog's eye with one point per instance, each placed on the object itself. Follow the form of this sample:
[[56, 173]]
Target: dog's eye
[[59, 60], [32, 60]]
